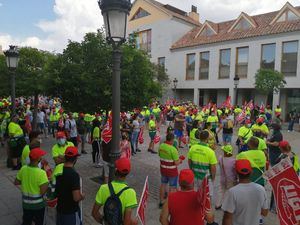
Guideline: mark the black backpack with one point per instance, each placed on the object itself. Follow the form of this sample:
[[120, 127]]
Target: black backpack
[[113, 207]]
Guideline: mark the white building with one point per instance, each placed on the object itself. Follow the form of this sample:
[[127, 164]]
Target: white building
[[208, 56], [157, 27]]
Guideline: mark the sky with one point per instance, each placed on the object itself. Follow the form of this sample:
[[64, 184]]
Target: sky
[[49, 24]]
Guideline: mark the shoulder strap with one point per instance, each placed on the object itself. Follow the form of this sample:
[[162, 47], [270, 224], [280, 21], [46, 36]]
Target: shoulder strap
[[124, 189], [111, 189], [247, 133]]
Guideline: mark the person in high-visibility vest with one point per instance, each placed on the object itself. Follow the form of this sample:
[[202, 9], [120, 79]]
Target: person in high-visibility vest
[[34, 184], [169, 160], [257, 159], [195, 128], [152, 133], [16, 141]]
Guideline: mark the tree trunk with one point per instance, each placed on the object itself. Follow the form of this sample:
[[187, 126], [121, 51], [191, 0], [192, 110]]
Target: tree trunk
[[36, 105]]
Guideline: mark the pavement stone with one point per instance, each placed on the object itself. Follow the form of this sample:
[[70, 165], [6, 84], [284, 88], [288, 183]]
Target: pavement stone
[[143, 164]]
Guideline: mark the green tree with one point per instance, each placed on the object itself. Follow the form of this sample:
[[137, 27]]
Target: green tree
[[82, 76], [269, 81], [5, 87], [30, 78]]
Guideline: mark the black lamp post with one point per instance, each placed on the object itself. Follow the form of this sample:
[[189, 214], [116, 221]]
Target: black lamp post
[[175, 82], [236, 81], [115, 14], [12, 60]]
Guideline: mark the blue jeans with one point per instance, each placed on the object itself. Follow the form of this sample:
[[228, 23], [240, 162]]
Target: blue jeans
[[172, 181], [68, 219], [227, 138], [134, 137], [291, 125]]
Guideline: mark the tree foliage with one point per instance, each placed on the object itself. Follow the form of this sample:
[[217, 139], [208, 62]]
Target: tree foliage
[[82, 75], [269, 81]]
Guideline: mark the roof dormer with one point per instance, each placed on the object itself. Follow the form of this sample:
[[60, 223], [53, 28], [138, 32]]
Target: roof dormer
[[287, 13], [243, 22], [140, 13], [208, 29]]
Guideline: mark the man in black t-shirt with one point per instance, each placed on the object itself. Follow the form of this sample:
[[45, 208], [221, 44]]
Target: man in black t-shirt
[[68, 191]]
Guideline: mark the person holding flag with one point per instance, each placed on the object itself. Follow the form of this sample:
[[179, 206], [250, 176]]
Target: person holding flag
[[186, 205]]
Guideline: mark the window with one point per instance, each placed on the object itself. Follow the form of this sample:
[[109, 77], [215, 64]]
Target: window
[[140, 13], [289, 58], [241, 68], [288, 15], [268, 56], [204, 65], [207, 32], [190, 66], [143, 40], [224, 67], [243, 25], [162, 61]]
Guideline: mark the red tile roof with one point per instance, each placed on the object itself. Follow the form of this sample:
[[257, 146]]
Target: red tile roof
[[263, 28]]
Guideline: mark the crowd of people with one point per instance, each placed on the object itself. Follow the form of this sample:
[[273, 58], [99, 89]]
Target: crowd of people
[[203, 130]]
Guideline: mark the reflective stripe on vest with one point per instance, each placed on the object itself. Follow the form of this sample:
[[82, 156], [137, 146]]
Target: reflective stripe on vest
[[32, 198]]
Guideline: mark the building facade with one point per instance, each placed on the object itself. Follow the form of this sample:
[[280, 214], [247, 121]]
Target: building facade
[[206, 57], [156, 27]]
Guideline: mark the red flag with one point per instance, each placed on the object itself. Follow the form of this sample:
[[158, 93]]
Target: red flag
[[262, 107], [107, 133], [143, 203], [141, 138], [286, 187], [204, 197]]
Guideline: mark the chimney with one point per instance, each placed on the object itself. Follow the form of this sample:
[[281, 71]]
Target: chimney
[[194, 14]]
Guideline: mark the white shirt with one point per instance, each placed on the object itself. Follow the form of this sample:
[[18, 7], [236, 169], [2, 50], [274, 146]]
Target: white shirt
[[70, 125], [41, 117], [245, 202]]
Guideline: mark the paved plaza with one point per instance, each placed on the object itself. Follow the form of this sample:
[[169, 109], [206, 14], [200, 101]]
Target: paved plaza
[[143, 164]]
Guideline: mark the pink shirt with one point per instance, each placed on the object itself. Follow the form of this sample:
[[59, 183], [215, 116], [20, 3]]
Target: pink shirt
[[125, 149], [229, 167]]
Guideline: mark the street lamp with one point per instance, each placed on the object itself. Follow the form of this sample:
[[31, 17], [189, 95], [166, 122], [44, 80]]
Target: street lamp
[[12, 60], [236, 81], [115, 14], [175, 82]]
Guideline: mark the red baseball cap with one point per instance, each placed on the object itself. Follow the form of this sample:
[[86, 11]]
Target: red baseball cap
[[186, 175], [71, 151], [60, 134], [123, 165], [284, 144], [260, 120], [247, 121], [243, 166], [36, 153]]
